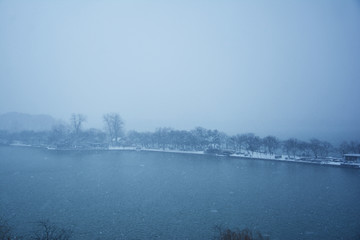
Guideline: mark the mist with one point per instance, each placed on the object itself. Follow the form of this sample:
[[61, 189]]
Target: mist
[[179, 119], [290, 69]]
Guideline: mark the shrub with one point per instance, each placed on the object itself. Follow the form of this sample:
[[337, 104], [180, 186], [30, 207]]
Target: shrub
[[49, 231], [6, 231], [245, 234]]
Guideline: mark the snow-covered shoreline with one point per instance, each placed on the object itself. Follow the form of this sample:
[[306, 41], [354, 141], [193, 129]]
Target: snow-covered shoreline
[[254, 156], [155, 150]]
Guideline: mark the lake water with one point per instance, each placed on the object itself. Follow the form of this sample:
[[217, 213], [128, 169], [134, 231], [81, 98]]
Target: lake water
[[150, 195]]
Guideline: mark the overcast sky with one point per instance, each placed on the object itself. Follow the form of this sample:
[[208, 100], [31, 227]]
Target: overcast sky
[[287, 68]]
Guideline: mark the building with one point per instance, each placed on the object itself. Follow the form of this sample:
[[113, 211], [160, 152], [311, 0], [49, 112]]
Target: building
[[352, 157]]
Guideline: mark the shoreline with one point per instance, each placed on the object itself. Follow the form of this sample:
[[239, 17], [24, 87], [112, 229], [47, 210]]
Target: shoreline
[[283, 159], [256, 156]]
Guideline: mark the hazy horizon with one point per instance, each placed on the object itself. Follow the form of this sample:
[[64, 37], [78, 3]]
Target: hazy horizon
[[289, 69]]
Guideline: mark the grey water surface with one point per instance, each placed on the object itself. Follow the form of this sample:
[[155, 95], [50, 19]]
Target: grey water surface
[[152, 195]]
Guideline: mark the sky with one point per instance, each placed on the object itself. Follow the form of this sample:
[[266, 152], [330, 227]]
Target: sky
[[285, 68]]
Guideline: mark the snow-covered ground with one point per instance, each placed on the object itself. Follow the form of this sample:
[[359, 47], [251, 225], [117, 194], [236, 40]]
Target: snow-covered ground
[[255, 155], [155, 150], [19, 144]]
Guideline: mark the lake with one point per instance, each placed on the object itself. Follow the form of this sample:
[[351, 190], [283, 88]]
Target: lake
[[154, 195]]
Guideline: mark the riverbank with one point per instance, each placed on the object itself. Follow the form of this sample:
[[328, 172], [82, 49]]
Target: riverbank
[[254, 156], [335, 162]]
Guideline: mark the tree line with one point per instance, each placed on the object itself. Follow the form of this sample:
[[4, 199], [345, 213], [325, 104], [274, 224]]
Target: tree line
[[72, 135]]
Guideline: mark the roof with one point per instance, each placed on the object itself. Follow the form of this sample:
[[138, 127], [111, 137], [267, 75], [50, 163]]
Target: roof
[[352, 155]]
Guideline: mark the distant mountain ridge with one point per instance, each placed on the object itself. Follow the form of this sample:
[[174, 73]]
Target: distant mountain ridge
[[17, 122]]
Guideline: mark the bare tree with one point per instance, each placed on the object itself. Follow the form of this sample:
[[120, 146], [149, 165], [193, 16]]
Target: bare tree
[[291, 146], [271, 143], [222, 233], [241, 142], [213, 137], [304, 148], [60, 135], [49, 231], [200, 137], [344, 147], [6, 231], [114, 126], [325, 148], [315, 147], [76, 121], [253, 142], [162, 136]]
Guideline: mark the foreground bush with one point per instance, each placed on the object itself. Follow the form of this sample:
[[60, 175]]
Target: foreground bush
[[5, 230], [245, 234], [44, 231], [49, 231]]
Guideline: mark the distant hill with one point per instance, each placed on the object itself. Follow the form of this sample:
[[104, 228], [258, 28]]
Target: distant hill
[[17, 122]]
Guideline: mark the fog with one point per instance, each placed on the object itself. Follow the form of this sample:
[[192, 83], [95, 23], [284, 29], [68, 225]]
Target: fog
[[291, 69]]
